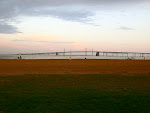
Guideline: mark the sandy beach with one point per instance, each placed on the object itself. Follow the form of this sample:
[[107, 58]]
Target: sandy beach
[[17, 67]]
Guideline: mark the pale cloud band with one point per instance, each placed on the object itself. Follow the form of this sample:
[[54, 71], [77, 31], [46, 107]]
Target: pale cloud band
[[125, 28], [35, 41]]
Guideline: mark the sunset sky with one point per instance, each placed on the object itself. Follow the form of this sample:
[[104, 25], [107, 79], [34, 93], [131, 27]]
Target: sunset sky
[[52, 25]]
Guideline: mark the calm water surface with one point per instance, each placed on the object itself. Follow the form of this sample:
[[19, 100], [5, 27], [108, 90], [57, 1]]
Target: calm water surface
[[68, 57]]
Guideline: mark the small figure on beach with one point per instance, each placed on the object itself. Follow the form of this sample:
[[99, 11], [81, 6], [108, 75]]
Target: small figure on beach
[[128, 58], [70, 58]]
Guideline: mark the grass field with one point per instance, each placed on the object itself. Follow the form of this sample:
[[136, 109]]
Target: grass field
[[75, 93]]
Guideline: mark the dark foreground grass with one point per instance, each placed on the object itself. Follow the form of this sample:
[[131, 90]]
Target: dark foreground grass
[[75, 93]]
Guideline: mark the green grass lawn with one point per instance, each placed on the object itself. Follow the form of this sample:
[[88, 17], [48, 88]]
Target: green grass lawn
[[89, 93]]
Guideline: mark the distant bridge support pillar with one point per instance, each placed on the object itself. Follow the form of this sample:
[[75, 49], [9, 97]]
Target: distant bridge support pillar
[[57, 53], [97, 53]]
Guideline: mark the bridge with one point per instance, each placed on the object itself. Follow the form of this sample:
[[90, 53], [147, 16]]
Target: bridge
[[92, 53]]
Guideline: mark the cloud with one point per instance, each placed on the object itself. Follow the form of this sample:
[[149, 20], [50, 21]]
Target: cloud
[[56, 42], [61, 13], [8, 29], [13, 8], [61, 42], [69, 10], [125, 28]]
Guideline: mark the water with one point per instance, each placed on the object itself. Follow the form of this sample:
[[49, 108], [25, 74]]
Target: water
[[68, 57]]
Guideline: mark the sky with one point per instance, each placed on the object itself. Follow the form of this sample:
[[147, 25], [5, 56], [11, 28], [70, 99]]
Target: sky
[[28, 26]]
